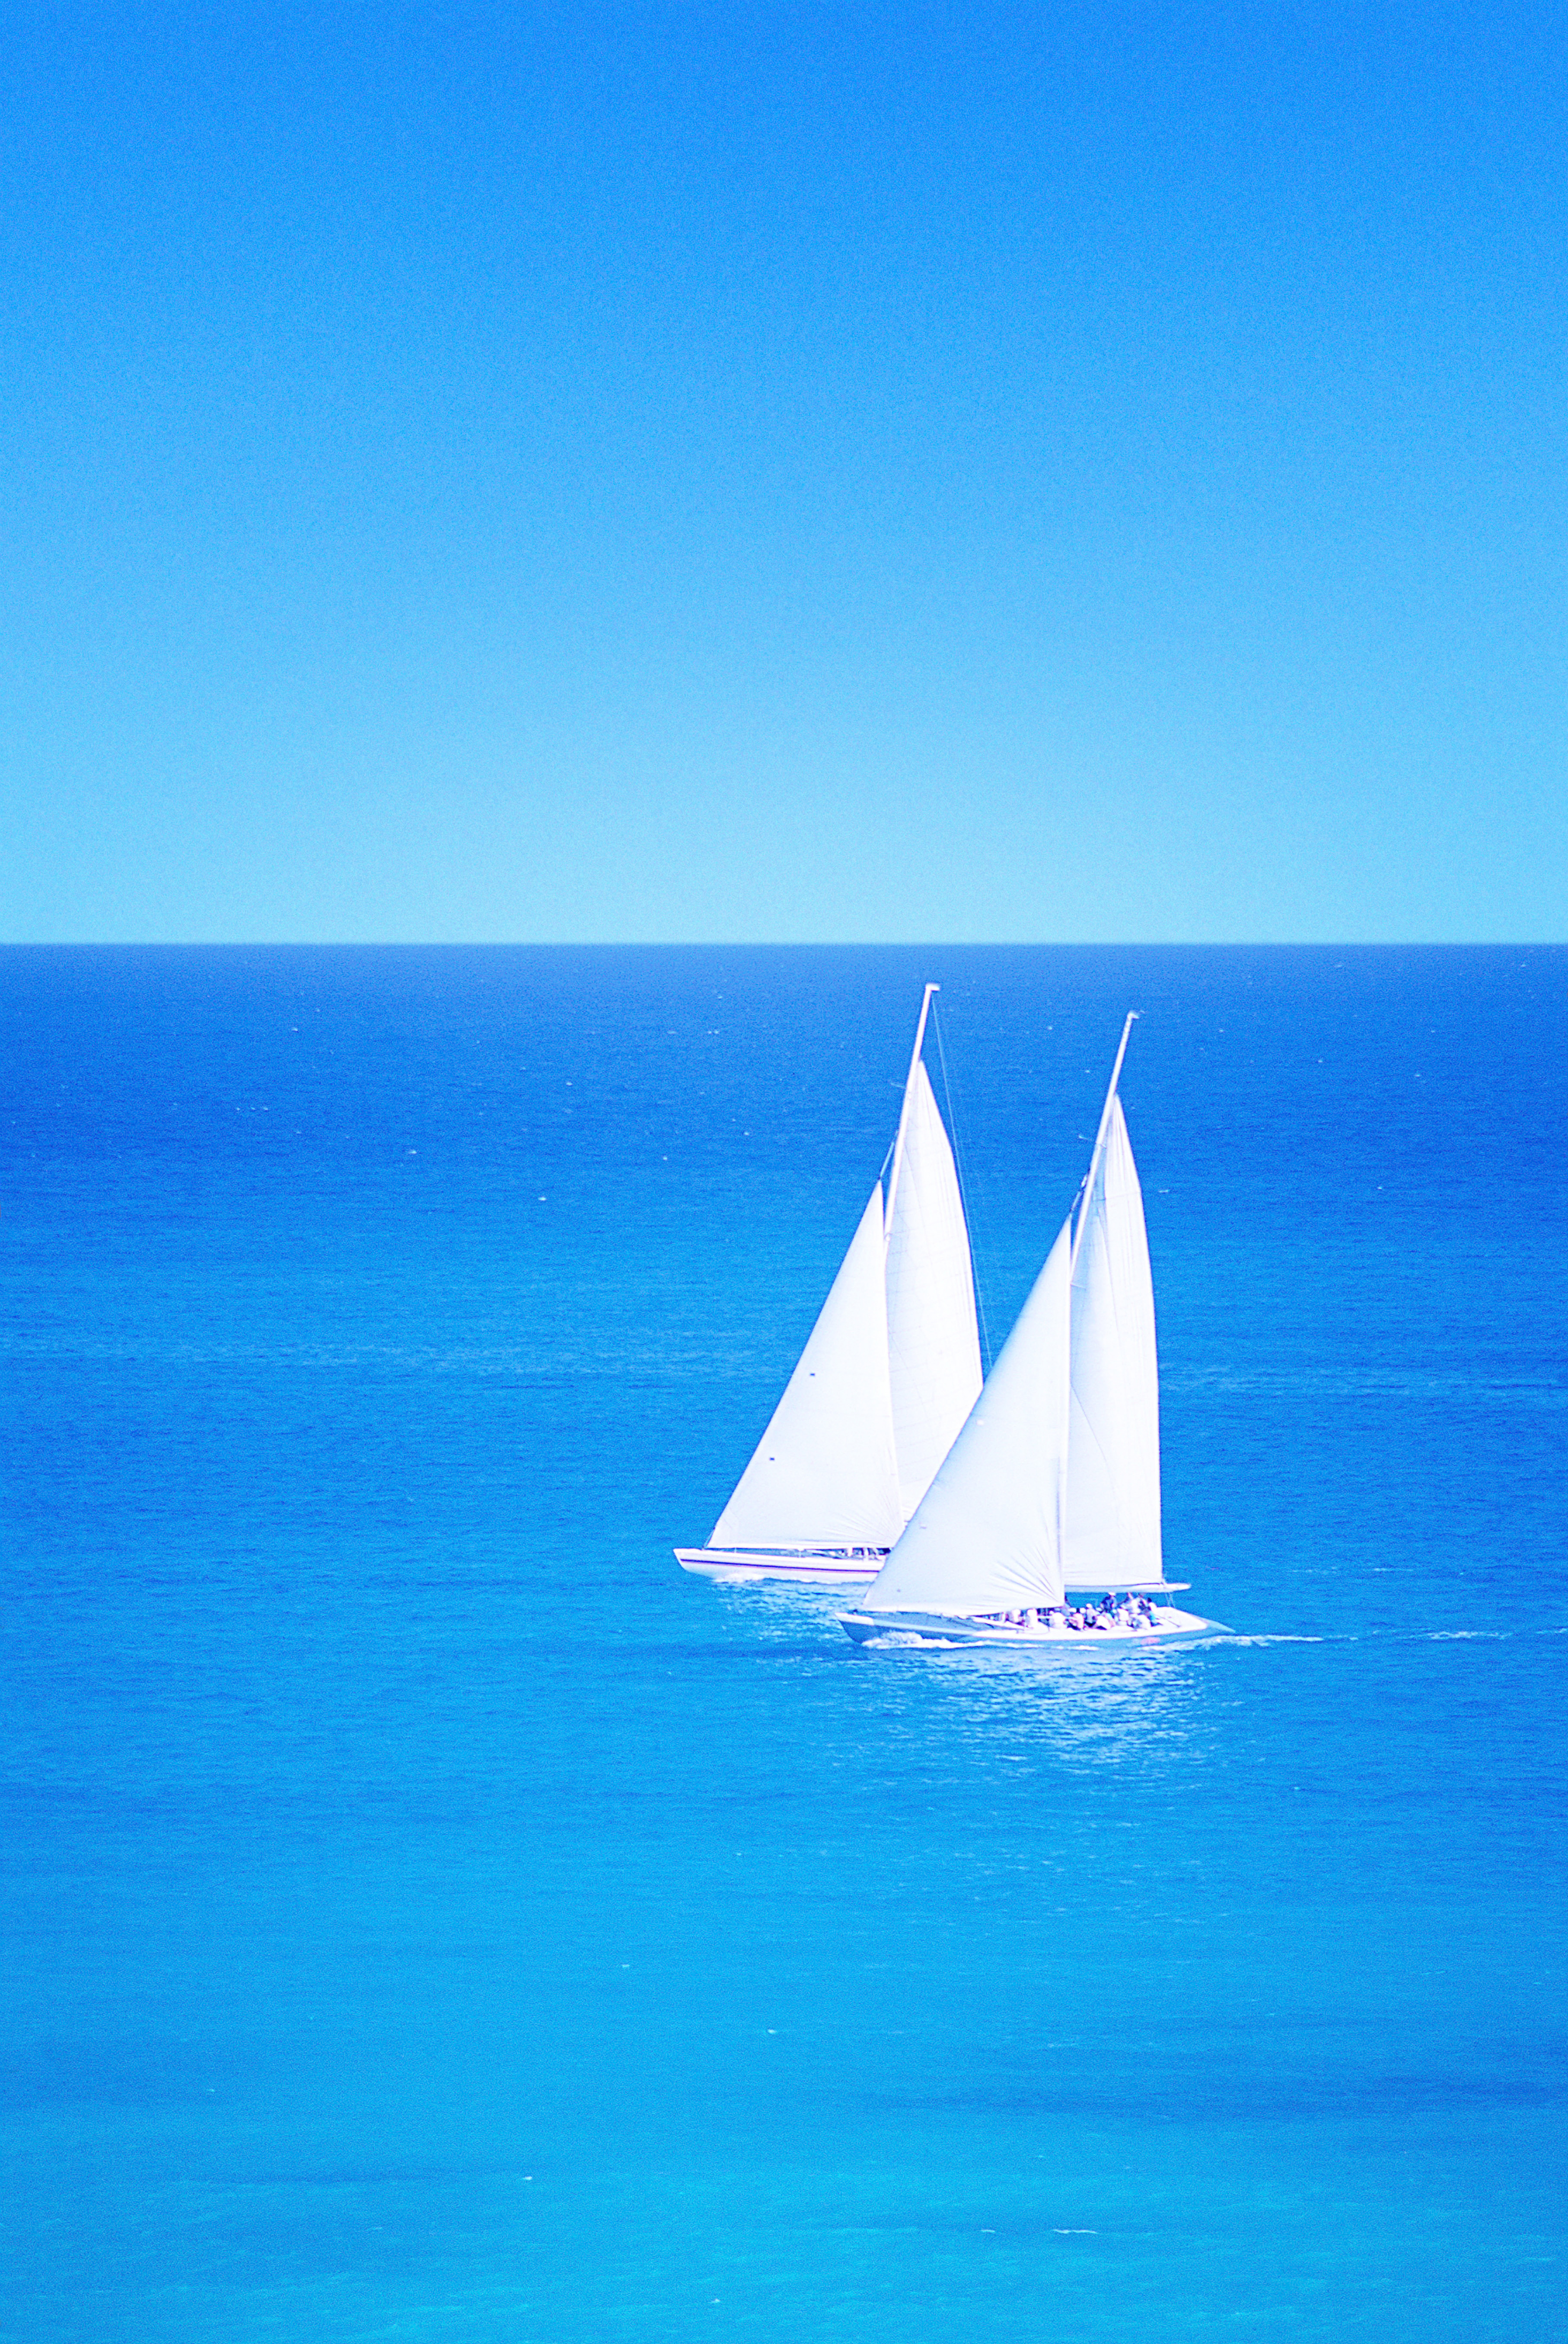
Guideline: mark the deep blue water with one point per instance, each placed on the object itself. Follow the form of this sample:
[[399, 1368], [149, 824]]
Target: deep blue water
[[430, 1916]]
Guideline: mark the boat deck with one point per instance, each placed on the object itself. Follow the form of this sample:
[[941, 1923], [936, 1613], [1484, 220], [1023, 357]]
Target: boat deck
[[1168, 1626]]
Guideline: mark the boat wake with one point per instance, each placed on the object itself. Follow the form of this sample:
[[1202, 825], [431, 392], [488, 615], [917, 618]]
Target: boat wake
[[898, 1642]]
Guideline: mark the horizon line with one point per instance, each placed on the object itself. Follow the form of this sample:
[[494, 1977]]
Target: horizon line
[[782, 944]]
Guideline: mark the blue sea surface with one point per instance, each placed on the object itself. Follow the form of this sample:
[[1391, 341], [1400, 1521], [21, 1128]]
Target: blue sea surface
[[430, 1915]]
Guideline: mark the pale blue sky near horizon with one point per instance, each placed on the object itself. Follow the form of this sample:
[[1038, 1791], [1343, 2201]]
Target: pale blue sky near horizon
[[871, 474]]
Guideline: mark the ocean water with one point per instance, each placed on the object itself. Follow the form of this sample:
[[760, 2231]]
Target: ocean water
[[428, 1915]]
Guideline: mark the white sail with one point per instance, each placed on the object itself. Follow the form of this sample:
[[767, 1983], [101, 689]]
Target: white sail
[[988, 1536], [933, 1342], [825, 1473], [1113, 1452]]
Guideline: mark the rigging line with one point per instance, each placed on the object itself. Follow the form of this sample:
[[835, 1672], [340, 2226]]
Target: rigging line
[[963, 1190]]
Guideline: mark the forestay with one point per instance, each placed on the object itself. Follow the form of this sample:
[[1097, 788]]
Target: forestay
[[988, 1536], [825, 1473], [933, 1342], [1113, 1472]]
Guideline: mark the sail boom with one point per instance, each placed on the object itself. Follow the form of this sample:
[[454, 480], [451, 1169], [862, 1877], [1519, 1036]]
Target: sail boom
[[1104, 1586]]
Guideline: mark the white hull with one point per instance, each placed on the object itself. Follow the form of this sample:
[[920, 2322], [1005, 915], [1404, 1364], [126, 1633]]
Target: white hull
[[1169, 1626], [845, 1568]]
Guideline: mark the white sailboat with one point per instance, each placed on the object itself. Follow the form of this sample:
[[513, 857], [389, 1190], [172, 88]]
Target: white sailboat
[[1052, 1488], [889, 1373]]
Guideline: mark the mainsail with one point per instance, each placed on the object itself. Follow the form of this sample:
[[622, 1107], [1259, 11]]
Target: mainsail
[[988, 1536], [825, 1473], [933, 1343], [1113, 1448]]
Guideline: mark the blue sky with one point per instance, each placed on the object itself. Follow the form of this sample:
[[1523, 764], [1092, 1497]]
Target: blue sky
[[864, 473]]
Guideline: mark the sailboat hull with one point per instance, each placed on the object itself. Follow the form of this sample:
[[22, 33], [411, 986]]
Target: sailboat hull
[[937, 1628], [825, 1567]]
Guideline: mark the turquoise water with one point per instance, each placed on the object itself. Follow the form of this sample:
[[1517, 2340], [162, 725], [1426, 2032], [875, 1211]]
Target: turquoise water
[[430, 1915]]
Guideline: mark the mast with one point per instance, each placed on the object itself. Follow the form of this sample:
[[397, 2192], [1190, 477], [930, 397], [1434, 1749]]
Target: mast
[[1089, 1186], [904, 1111]]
